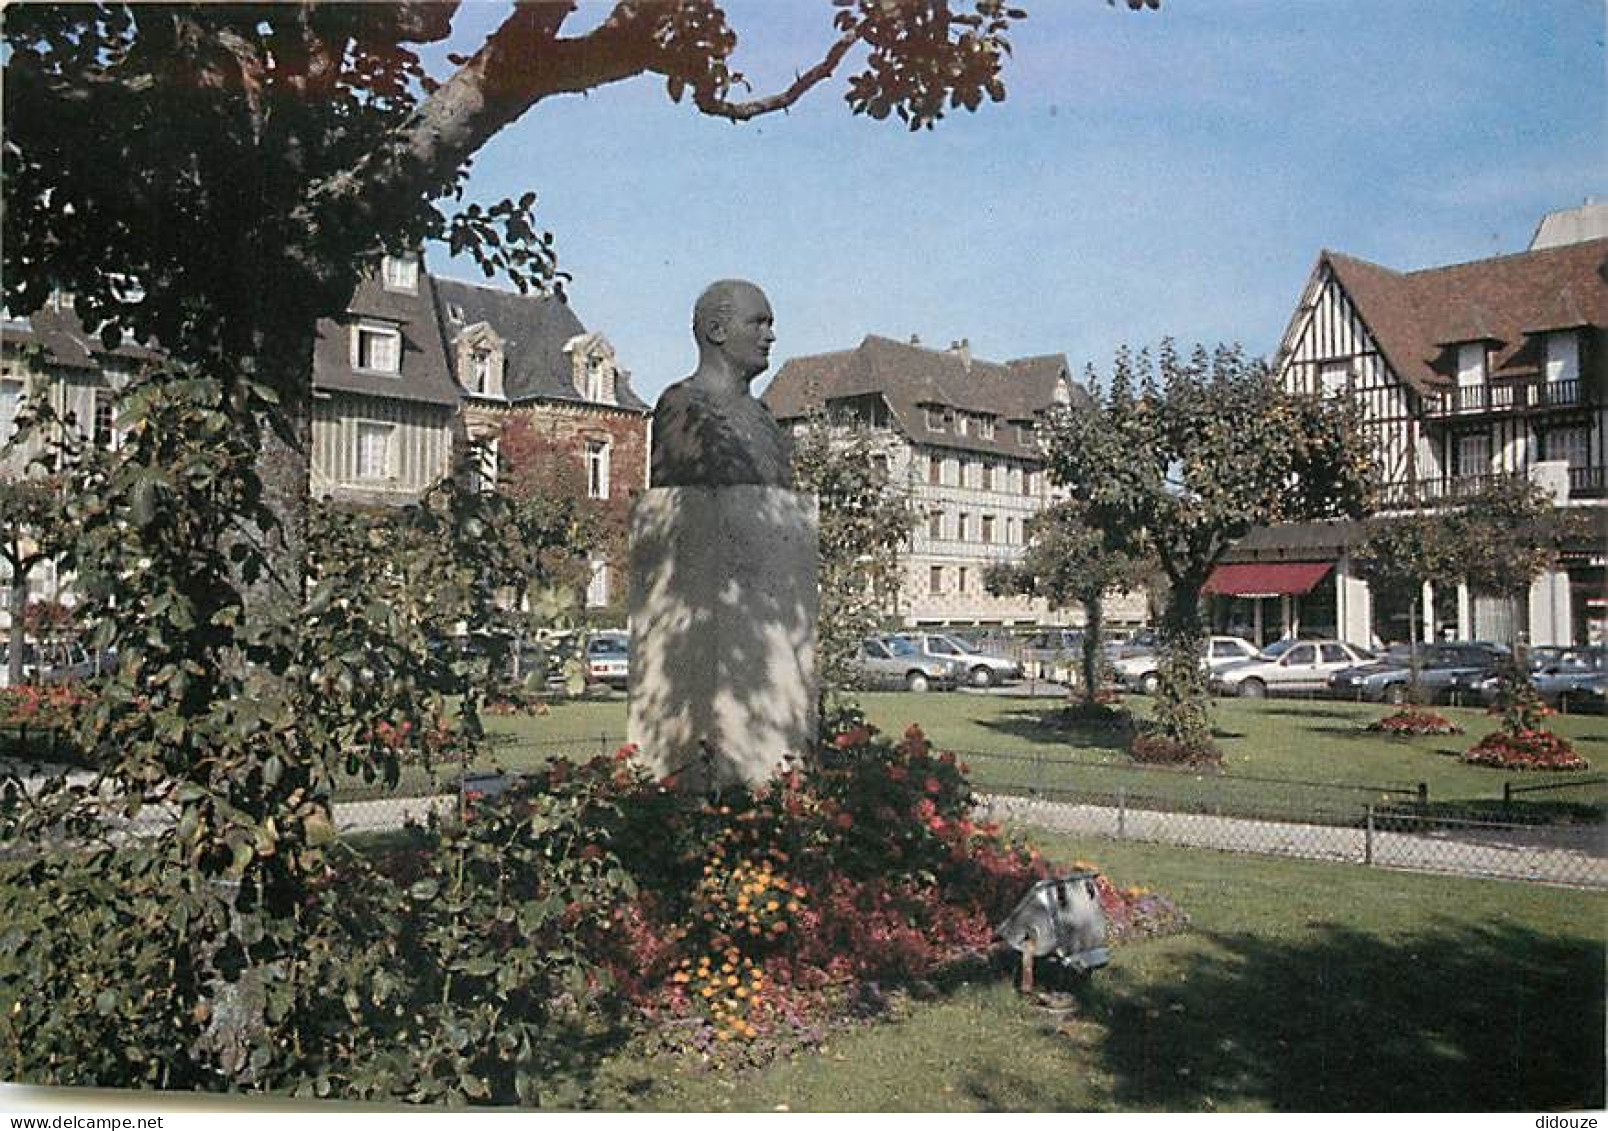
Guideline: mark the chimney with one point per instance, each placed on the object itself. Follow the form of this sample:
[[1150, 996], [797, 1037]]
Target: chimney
[[962, 350]]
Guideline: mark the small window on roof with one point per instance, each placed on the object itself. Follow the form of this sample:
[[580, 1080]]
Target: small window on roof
[[400, 273]]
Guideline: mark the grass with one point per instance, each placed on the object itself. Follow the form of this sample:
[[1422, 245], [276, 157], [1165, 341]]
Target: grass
[[1008, 747], [1303, 987]]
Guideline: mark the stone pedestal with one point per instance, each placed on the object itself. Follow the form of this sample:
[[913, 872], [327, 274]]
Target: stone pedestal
[[723, 605]]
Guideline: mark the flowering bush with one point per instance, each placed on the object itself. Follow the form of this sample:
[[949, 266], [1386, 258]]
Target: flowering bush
[[1525, 750], [1414, 720], [1523, 743], [41, 705]]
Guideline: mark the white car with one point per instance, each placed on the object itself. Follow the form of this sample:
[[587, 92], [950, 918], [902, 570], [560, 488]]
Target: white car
[[1305, 665], [1140, 671]]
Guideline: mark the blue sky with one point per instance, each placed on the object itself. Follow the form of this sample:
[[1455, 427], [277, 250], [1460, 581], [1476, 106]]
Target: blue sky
[[1150, 173]]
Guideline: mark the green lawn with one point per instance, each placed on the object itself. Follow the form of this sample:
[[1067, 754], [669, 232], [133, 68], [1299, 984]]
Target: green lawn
[[1303, 987], [1007, 747]]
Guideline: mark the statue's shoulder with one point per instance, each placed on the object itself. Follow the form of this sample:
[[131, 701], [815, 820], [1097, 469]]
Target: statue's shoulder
[[683, 396]]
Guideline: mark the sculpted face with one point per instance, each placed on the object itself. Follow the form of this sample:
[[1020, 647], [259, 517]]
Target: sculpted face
[[744, 331]]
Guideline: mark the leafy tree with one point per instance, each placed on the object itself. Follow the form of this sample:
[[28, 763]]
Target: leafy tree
[[1067, 561], [865, 524], [1399, 556], [216, 177], [1182, 456], [28, 513]]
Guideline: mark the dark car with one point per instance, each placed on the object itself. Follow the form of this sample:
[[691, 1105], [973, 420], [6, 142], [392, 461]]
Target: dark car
[[1569, 679], [1446, 671]]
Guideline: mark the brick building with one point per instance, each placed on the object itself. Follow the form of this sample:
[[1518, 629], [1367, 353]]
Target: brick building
[[535, 381]]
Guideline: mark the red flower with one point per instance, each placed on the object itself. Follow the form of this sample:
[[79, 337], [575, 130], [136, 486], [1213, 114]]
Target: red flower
[[627, 751], [931, 785], [844, 820], [937, 824], [896, 772], [925, 809]]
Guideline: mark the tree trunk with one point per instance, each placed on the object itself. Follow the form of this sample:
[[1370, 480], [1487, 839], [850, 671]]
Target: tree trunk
[[1181, 701], [19, 601], [283, 463], [1093, 631], [1415, 652]]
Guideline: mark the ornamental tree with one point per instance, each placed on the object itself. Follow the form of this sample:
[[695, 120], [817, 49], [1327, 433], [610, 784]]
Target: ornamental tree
[[1399, 556], [1180, 457], [28, 512], [1068, 561], [865, 524]]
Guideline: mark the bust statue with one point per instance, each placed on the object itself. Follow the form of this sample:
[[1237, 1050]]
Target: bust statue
[[709, 430]]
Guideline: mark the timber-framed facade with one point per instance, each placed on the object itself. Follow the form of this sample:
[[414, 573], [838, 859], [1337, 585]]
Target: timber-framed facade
[[1459, 375]]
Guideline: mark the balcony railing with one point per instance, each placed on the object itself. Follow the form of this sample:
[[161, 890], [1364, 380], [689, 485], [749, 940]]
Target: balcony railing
[[1431, 492], [1507, 396], [1584, 483], [1588, 482]]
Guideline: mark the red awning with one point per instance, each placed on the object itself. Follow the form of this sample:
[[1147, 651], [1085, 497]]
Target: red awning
[[1266, 579]]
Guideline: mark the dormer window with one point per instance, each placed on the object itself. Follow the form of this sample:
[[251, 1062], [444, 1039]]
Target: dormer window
[[985, 427], [480, 371], [935, 418], [1471, 375], [480, 361], [963, 424], [1563, 367], [377, 348], [400, 273], [593, 370]]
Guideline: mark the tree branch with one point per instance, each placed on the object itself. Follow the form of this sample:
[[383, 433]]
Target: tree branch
[[782, 99]]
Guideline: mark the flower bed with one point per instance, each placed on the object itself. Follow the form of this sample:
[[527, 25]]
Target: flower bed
[[763, 920], [1525, 750], [1414, 721]]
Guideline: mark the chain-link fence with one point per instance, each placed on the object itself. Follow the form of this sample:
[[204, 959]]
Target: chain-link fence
[[1549, 831]]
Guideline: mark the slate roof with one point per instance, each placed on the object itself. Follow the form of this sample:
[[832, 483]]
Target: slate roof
[[66, 342], [908, 377], [1417, 317], [533, 330], [424, 377]]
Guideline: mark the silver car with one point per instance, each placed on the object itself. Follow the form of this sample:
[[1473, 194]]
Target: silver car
[[981, 668], [893, 661], [1305, 665]]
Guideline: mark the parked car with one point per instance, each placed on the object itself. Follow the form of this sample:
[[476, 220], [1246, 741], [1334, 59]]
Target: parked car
[[892, 661], [1446, 672], [1140, 671], [56, 662], [1305, 665], [1566, 681], [1589, 696], [982, 669], [1140, 643], [608, 659]]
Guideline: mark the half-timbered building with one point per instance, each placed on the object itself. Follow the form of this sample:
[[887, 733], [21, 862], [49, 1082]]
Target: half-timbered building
[[1460, 374]]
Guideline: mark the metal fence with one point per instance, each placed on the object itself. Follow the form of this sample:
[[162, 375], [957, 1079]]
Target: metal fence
[[1551, 832], [1545, 830]]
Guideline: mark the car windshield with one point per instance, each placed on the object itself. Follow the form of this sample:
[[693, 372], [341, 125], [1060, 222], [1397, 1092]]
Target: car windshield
[[608, 646]]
